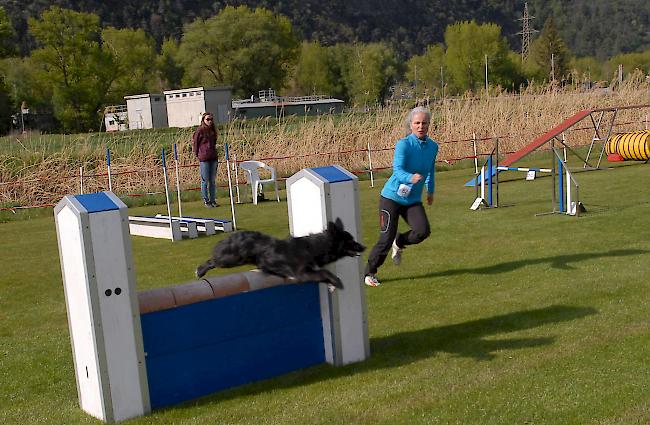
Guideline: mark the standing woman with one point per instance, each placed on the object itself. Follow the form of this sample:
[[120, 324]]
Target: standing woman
[[204, 146], [413, 169]]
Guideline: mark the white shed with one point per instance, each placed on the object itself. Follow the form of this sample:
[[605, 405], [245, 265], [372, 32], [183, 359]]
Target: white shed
[[115, 118], [146, 111], [185, 106]]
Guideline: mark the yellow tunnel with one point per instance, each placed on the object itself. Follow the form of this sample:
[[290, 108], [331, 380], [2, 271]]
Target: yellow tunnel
[[634, 145]]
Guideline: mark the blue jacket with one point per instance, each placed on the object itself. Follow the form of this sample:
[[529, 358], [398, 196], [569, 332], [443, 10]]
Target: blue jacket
[[412, 155]]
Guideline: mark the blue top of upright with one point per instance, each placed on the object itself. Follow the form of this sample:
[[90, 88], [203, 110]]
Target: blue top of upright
[[331, 174], [96, 202]]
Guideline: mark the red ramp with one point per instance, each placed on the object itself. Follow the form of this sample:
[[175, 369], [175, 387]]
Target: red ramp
[[541, 140]]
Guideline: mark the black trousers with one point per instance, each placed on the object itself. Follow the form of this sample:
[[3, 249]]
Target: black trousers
[[389, 213]]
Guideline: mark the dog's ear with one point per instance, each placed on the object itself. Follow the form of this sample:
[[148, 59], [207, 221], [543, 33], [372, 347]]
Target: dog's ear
[[338, 223]]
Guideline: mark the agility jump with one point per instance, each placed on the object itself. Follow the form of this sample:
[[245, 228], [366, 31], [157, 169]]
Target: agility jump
[[168, 226], [565, 195], [136, 352]]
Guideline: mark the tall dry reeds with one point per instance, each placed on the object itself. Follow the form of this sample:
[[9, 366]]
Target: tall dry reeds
[[38, 173]]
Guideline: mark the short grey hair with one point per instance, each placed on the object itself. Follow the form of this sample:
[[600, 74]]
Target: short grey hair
[[416, 110]]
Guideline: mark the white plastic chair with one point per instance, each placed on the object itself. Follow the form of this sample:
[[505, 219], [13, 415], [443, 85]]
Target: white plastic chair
[[253, 177]]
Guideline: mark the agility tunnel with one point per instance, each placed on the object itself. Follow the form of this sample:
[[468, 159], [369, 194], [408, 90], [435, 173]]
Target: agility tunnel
[[629, 146], [134, 352]]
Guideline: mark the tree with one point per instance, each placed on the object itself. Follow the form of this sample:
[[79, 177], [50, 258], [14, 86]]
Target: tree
[[587, 68], [7, 35], [170, 71], [630, 62], [72, 61], [22, 80], [316, 71], [134, 56], [425, 71], [550, 53], [246, 49], [468, 44], [368, 71]]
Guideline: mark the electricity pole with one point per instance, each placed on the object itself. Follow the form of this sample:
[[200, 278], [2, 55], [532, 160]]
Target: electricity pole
[[525, 33]]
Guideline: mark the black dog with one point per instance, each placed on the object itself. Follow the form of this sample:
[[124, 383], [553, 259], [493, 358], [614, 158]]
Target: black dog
[[301, 258]]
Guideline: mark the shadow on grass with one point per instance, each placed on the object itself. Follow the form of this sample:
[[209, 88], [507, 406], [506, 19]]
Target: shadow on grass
[[467, 339], [563, 262]]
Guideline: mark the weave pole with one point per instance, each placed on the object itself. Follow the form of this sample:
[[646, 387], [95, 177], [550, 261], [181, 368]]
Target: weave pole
[[169, 208], [232, 200], [236, 171], [108, 165], [475, 153], [372, 177], [178, 183]]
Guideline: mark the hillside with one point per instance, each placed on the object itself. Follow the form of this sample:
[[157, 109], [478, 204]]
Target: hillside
[[595, 27]]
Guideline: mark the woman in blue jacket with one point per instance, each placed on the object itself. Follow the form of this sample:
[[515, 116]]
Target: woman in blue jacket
[[413, 170]]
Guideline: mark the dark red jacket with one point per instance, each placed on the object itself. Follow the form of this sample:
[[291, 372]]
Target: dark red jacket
[[204, 145]]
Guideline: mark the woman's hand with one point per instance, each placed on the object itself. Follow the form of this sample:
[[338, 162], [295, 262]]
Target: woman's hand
[[416, 178], [429, 198]]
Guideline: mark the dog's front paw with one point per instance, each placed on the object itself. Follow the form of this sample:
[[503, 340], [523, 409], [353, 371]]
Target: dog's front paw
[[336, 282]]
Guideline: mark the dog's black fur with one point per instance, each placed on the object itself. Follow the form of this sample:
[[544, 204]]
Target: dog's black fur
[[301, 258]]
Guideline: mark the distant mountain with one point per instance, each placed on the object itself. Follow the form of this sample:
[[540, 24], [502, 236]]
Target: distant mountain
[[590, 27]]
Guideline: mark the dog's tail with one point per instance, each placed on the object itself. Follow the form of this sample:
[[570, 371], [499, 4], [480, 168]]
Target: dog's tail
[[203, 268]]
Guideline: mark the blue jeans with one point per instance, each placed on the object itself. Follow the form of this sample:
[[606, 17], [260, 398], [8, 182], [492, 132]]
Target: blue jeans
[[208, 176]]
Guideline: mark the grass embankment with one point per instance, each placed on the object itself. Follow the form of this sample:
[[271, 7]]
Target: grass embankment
[[37, 170], [500, 317]]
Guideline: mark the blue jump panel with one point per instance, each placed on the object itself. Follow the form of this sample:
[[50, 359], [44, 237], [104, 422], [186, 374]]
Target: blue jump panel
[[201, 348], [96, 202], [331, 174]]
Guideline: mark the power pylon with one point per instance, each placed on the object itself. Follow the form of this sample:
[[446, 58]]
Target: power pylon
[[525, 32]]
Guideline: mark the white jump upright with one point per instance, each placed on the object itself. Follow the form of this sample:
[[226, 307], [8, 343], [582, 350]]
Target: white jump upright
[[103, 313], [315, 197]]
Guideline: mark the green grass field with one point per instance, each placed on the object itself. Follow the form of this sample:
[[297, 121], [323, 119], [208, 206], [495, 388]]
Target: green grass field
[[500, 317]]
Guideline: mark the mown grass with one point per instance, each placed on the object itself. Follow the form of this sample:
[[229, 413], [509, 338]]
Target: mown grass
[[500, 317]]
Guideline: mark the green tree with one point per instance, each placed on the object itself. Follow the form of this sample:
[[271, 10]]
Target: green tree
[[630, 62], [5, 106], [425, 71], [7, 103], [170, 71], [549, 52], [7, 35], [23, 80], [134, 56], [587, 68], [468, 45], [246, 49], [72, 61], [317, 71], [368, 71]]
